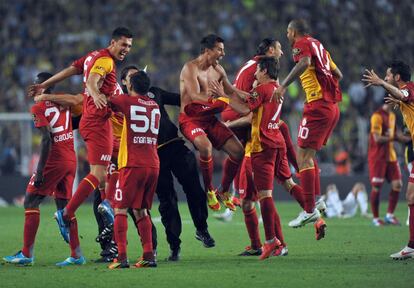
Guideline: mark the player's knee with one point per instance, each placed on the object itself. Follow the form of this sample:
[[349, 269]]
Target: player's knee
[[410, 194], [247, 205], [397, 185], [141, 213], [204, 146], [32, 201]]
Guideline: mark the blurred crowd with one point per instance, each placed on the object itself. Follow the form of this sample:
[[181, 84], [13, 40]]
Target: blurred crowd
[[47, 35]]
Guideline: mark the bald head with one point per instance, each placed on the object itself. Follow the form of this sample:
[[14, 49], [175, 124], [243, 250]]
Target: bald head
[[299, 26]]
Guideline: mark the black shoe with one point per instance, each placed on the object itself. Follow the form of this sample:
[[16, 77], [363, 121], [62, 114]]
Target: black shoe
[[106, 234], [205, 237], [106, 259], [174, 255], [110, 250]]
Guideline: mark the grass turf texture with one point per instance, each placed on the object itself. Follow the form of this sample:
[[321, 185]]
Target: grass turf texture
[[354, 254]]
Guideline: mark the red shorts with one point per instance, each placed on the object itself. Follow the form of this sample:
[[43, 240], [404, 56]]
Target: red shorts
[[99, 140], [282, 168], [58, 180], [247, 189], [136, 188], [380, 171], [216, 132], [263, 167], [318, 121]]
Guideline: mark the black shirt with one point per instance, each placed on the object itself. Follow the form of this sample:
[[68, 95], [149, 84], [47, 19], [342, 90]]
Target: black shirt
[[168, 130]]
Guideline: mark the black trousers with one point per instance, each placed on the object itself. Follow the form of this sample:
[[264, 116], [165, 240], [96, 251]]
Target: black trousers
[[176, 159]]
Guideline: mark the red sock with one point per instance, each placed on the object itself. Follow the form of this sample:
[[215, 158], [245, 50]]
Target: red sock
[[31, 224], [110, 188], [230, 169], [307, 179], [411, 220], [252, 225], [317, 178], [393, 200], [278, 228], [206, 167], [297, 193], [74, 239], [145, 231], [374, 198], [267, 207], [120, 231], [86, 187]]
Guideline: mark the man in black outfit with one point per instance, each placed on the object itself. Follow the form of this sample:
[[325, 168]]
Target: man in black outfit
[[175, 159]]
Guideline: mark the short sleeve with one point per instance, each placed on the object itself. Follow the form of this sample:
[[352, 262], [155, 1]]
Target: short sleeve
[[301, 49], [255, 99], [38, 116], [78, 64], [331, 62], [376, 124], [102, 66]]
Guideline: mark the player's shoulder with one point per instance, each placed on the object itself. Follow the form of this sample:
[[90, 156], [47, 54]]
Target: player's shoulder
[[408, 89]]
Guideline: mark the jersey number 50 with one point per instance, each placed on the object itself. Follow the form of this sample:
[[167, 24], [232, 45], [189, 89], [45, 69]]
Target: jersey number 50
[[145, 123]]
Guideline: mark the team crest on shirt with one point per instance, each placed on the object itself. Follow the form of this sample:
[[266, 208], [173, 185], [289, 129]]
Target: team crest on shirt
[[296, 51], [304, 122], [151, 95], [405, 92], [254, 96], [100, 68]]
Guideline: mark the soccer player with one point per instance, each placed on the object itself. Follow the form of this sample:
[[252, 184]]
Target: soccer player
[[348, 207], [53, 177], [319, 76], [99, 71], [401, 94], [138, 164], [175, 159], [206, 132], [265, 144], [383, 163]]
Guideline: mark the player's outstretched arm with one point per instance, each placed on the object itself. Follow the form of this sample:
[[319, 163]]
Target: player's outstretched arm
[[372, 79], [243, 121], [93, 89], [45, 145], [35, 89], [235, 102], [65, 100], [169, 98], [296, 71]]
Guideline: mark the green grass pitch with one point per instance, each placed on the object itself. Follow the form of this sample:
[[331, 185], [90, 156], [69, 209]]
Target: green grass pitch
[[354, 254]]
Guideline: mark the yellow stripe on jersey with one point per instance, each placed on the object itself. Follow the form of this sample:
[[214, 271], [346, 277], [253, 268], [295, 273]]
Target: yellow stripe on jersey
[[391, 130], [103, 66], [376, 123], [332, 64], [310, 84], [117, 127], [123, 149], [254, 144]]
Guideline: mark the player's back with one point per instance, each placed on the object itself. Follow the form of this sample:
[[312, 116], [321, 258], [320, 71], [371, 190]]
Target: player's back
[[407, 106], [317, 80], [138, 147], [58, 119], [102, 63]]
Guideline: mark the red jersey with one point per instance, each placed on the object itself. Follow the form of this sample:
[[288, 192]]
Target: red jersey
[[138, 146], [244, 81], [265, 122], [382, 123], [102, 63], [58, 119], [317, 80]]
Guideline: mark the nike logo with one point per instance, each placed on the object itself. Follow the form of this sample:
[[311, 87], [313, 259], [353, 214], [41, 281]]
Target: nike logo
[[403, 253]]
